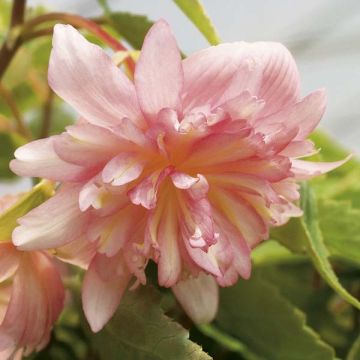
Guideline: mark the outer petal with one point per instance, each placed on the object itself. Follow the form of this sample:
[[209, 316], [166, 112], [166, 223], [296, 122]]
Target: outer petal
[[199, 297], [307, 169], [87, 145], [39, 159], [215, 74], [280, 85], [54, 223], [305, 114], [158, 74], [85, 77], [222, 72], [101, 296]]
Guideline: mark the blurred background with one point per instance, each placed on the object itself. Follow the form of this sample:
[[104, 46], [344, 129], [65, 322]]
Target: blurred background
[[323, 35]]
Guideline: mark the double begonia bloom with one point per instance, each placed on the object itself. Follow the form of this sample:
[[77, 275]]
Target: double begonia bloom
[[189, 165], [31, 297]]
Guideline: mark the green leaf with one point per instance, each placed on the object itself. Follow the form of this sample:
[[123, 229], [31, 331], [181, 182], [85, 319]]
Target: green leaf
[[341, 183], [354, 353], [257, 315], [9, 142], [228, 342], [140, 330], [340, 225], [272, 252], [36, 196], [132, 28], [290, 235], [195, 11], [300, 283], [316, 246]]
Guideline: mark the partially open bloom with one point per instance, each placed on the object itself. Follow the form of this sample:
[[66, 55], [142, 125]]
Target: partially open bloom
[[31, 297], [188, 165]]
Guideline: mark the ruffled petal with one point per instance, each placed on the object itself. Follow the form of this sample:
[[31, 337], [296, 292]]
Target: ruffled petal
[[145, 193], [85, 77], [39, 159], [159, 75], [101, 296], [199, 297], [54, 223]]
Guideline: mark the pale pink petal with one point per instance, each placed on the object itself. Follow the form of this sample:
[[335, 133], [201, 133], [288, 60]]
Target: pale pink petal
[[242, 215], [36, 301], [126, 129], [280, 85], [275, 168], [244, 183], [159, 75], [117, 230], [182, 180], [145, 193], [220, 148], [90, 195], [38, 159], [101, 297], [54, 223], [199, 298], [87, 145], [122, 169], [281, 213], [244, 106], [164, 230], [307, 169], [304, 114], [85, 77], [279, 138], [232, 253], [218, 73], [9, 260], [203, 260], [300, 148], [78, 252]]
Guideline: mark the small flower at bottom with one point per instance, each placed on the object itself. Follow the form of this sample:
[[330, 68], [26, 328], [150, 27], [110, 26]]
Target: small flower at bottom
[[31, 291], [32, 297], [189, 165]]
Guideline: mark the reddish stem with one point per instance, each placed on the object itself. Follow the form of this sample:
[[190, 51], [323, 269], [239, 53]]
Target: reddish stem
[[80, 22]]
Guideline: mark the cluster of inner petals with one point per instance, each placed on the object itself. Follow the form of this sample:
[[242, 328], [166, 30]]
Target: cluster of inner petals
[[193, 193]]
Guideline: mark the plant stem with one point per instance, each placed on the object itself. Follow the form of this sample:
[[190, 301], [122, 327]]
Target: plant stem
[[47, 113], [20, 125], [18, 13], [80, 22], [8, 50]]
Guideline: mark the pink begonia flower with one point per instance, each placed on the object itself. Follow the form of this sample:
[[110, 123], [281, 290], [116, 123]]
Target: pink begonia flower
[[31, 293], [188, 165]]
